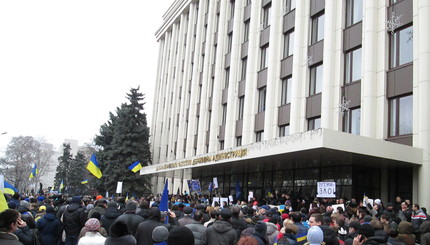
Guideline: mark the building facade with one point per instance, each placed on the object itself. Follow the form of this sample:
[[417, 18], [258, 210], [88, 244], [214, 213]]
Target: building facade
[[277, 95]]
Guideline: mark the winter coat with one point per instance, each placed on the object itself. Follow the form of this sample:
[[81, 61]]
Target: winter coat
[[220, 232], [350, 238], [9, 239], [187, 219], [122, 240], [50, 229], [109, 217], [132, 220], [92, 238], [302, 233], [26, 235], [417, 218], [27, 216], [143, 233], [74, 219], [405, 216], [198, 229], [287, 239], [99, 209], [272, 232], [238, 225], [405, 230], [84, 231], [425, 233], [394, 241], [376, 240]]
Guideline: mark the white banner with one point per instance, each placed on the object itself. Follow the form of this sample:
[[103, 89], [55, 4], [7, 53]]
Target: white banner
[[326, 189], [215, 182], [119, 187]]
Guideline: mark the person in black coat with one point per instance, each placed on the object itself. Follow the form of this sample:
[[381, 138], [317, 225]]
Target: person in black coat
[[107, 219], [260, 233], [49, 227], [74, 219]]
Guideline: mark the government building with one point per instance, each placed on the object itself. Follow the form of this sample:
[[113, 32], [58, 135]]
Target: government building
[[280, 95]]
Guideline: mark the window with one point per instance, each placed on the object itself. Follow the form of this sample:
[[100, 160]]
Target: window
[[243, 69], [314, 123], [400, 116], [259, 136], [284, 130], [241, 107], [286, 91], [262, 99], [247, 2], [351, 121], [316, 80], [266, 16], [290, 5], [401, 47], [239, 141], [354, 12], [221, 145], [264, 61], [288, 44], [224, 114], [317, 28], [246, 31], [231, 9], [229, 42], [353, 66], [227, 77]]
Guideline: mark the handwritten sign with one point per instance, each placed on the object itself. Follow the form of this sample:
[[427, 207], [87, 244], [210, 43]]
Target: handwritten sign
[[326, 189]]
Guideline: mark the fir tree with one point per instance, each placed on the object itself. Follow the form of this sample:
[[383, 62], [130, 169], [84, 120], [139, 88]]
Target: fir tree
[[124, 140], [64, 167]]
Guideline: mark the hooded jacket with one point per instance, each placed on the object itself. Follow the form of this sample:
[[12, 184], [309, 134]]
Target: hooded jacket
[[260, 233], [74, 219], [220, 233], [50, 229], [109, 217], [144, 230], [272, 232], [405, 230]]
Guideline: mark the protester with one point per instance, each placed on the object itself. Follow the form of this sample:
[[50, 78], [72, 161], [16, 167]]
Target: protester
[[92, 235], [49, 227], [9, 221], [119, 234]]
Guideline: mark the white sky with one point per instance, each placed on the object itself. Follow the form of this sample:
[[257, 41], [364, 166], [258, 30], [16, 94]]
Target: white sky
[[64, 65]]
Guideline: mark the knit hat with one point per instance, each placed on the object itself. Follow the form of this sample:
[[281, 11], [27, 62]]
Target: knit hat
[[50, 210], [76, 199], [180, 236], [366, 230], [42, 208], [131, 206], [378, 201], [99, 197], [160, 234], [92, 224], [40, 198], [225, 213], [315, 235], [188, 210], [285, 216], [261, 228], [24, 204]]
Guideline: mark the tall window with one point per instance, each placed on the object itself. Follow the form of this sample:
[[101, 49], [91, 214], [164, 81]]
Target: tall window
[[224, 114], [259, 136], [243, 69], [351, 121], [400, 116], [227, 77], [316, 80], [239, 141], [401, 47], [262, 99], [290, 5], [266, 16], [288, 44], [286, 91], [241, 107], [284, 130], [246, 31], [264, 59], [229, 42], [354, 12], [353, 66], [317, 28], [231, 9], [314, 123]]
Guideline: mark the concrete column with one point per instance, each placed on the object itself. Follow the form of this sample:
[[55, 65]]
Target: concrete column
[[300, 77], [422, 99], [273, 74]]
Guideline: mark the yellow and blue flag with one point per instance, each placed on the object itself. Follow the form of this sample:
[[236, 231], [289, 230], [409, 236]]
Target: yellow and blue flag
[[136, 166], [93, 167], [126, 198], [84, 181], [3, 203], [34, 172], [9, 189], [61, 186]]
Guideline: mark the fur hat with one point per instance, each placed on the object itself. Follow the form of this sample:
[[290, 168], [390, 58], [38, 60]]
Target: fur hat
[[160, 234], [315, 235], [180, 236]]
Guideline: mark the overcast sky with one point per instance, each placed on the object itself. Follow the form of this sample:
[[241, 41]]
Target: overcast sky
[[64, 65]]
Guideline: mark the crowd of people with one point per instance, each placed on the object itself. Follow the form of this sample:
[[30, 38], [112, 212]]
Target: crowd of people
[[49, 219]]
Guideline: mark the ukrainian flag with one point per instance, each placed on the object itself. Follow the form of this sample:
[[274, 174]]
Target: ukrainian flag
[[136, 166], [93, 167], [61, 186], [9, 189], [34, 172], [84, 181]]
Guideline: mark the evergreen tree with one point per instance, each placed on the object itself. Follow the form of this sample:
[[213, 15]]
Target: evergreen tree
[[124, 140], [64, 167], [77, 173]]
